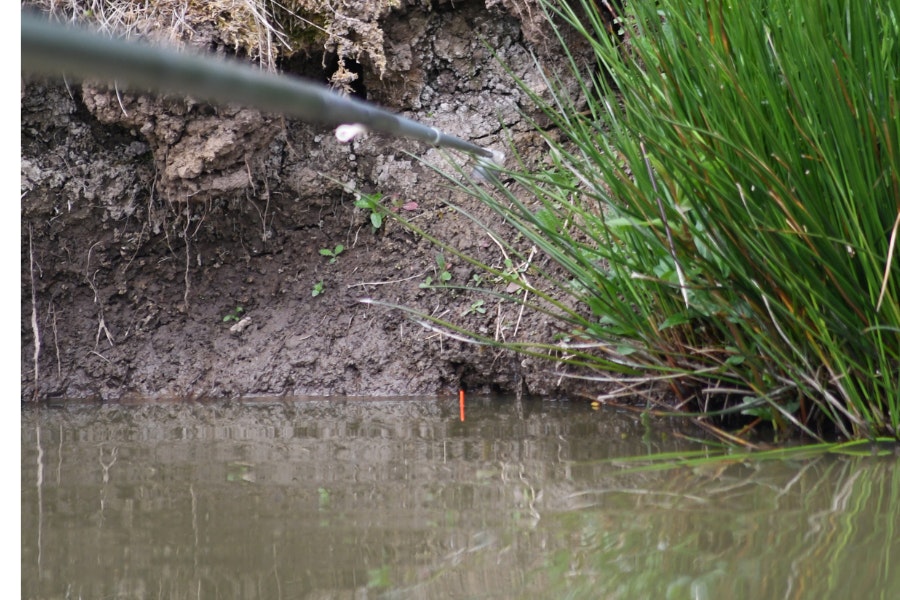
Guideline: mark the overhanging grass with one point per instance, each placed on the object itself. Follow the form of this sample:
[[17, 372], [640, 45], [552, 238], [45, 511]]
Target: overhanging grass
[[725, 199]]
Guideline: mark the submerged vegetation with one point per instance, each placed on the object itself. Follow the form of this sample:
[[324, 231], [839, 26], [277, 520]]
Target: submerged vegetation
[[723, 194]]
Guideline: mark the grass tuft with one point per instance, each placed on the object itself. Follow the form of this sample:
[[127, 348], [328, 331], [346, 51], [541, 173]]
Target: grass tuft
[[722, 192]]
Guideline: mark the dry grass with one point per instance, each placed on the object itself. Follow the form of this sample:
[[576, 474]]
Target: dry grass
[[262, 30]]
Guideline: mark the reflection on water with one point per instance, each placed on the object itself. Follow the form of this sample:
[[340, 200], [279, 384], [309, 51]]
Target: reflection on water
[[399, 499]]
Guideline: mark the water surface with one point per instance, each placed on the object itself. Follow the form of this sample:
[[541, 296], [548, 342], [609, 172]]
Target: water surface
[[400, 499]]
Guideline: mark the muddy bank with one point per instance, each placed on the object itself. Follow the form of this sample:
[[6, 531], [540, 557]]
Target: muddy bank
[[171, 248]]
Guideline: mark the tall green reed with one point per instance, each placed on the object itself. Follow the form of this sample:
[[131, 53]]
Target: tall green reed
[[723, 194]]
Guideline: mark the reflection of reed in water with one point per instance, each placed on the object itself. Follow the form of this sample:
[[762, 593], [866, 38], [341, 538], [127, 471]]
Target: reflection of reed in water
[[340, 496]]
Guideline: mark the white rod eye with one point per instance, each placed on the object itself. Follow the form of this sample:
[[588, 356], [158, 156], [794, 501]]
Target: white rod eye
[[345, 133]]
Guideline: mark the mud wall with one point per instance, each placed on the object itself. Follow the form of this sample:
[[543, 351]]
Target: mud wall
[[152, 226]]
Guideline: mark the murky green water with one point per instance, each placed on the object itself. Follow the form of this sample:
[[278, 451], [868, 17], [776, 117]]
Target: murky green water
[[399, 499]]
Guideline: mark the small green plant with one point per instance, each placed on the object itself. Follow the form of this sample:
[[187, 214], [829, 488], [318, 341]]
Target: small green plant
[[443, 269], [234, 315], [332, 254], [372, 203], [318, 288], [443, 273], [476, 307]]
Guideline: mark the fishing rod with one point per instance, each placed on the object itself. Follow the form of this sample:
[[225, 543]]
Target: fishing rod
[[53, 49]]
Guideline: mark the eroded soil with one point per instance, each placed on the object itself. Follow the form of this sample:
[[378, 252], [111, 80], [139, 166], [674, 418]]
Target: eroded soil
[[147, 221]]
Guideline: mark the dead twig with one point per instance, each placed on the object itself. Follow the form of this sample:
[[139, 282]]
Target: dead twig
[[522, 271], [365, 283], [520, 274]]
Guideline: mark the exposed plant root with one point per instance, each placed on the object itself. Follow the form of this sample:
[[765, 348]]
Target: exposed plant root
[[187, 256], [101, 325], [56, 341], [263, 214], [34, 316]]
